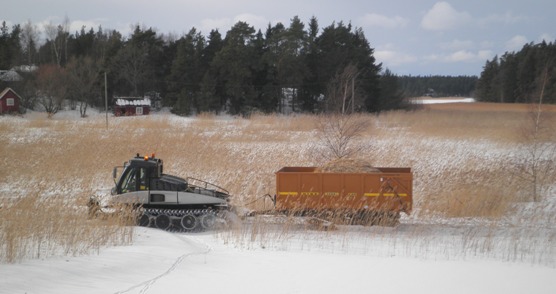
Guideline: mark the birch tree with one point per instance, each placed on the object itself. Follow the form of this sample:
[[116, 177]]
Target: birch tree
[[57, 36], [29, 39]]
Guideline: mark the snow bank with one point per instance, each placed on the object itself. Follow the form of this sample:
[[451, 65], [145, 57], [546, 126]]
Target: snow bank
[[162, 262]]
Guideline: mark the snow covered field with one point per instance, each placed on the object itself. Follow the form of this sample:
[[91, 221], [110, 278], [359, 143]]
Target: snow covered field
[[164, 262], [442, 100], [426, 253]]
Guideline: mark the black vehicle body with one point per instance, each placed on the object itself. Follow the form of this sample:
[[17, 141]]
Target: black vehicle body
[[167, 200]]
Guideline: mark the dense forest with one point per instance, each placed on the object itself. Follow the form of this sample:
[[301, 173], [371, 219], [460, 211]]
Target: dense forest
[[320, 69], [437, 86], [520, 77], [294, 68]]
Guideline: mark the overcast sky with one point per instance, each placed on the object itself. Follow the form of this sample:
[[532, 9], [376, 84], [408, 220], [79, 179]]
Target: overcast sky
[[417, 37]]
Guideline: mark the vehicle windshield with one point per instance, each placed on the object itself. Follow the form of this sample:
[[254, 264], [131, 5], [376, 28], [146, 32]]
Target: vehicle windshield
[[133, 179], [128, 182]]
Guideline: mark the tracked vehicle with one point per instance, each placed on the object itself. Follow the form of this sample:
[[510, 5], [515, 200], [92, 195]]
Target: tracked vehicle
[[316, 197], [163, 200]]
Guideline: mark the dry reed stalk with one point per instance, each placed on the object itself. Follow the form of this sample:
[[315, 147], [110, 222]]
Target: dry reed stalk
[[71, 157], [498, 126], [36, 226], [347, 165], [470, 201]]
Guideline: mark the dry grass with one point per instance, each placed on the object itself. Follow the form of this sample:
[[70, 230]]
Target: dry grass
[[461, 161], [496, 126], [347, 165], [35, 226], [470, 200]]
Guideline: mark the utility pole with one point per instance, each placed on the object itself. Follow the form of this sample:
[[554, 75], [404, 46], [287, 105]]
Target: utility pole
[[106, 98], [353, 91], [353, 95]]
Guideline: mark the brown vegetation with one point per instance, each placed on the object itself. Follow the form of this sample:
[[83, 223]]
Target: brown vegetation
[[347, 165], [39, 225], [462, 163]]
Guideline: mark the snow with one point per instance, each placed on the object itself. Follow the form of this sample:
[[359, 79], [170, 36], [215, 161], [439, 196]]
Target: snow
[[122, 101], [514, 255], [9, 76], [443, 100], [170, 262]]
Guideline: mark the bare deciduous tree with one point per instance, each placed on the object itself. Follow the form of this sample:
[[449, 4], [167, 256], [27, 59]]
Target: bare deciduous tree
[[29, 39], [50, 31], [58, 38], [51, 88], [82, 74], [337, 134], [537, 167], [341, 93], [132, 66]]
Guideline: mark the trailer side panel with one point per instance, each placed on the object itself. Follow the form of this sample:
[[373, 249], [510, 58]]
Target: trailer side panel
[[302, 188]]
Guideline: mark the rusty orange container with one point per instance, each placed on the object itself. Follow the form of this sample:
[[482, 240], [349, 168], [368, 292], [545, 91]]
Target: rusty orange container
[[302, 188]]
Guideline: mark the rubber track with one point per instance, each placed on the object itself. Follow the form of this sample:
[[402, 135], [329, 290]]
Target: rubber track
[[175, 216]]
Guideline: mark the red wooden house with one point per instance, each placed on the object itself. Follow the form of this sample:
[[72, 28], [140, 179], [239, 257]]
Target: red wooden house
[[132, 106], [9, 101]]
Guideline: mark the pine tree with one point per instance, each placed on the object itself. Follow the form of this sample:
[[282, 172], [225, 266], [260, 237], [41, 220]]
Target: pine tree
[[234, 64], [487, 87]]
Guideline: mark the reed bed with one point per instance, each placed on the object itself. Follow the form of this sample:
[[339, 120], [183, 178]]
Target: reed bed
[[39, 226], [463, 166]]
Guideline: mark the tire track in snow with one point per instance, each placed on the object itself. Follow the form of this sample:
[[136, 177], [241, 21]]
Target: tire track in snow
[[204, 249]]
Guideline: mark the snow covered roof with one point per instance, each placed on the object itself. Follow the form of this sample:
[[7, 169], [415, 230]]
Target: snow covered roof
[[25, 68], [3, 93], [122, 101], [10, 76]]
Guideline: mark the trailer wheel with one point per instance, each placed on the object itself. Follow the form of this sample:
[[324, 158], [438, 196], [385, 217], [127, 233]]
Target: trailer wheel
[[188, 222], [162, 222], [208, 221]]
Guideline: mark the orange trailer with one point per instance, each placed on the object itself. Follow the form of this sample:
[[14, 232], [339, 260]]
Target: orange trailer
[[389, 190]]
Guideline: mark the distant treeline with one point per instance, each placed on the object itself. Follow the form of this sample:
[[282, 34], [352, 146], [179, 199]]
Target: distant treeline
[[298, 67], [520, 77], [437, 86], [294, 68]]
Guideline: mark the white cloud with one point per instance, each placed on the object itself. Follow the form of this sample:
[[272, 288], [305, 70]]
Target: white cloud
[[507, 18], [461, 56], [393, 58], [469, 56], [382, 21], [76, 25], [458, 45], [487, 44], [516, 43], [259, 22], [224, 24], [219, 24], [546, 37], [485, 54], [443, 16]]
